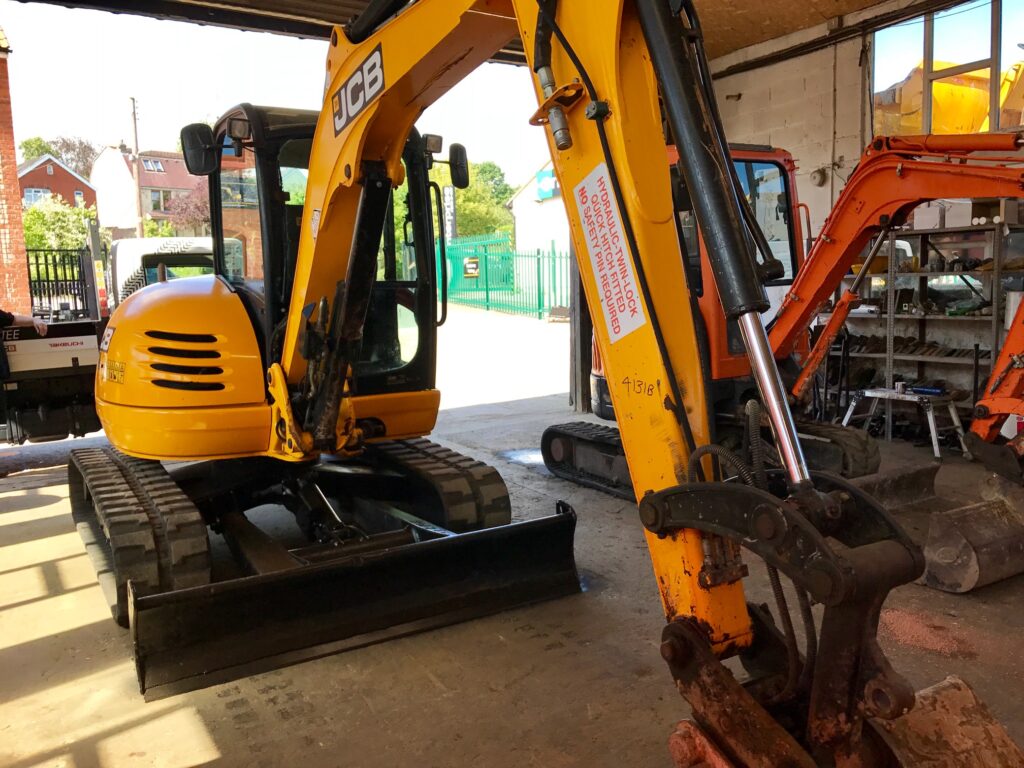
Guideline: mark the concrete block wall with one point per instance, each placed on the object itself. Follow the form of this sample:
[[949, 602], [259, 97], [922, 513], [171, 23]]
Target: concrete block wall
[[815, 106], [809, 106], [14, 294]]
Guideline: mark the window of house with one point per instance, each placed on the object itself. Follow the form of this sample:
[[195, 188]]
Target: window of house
[[152, 165], [33, 195], [49, 170], [79, 198], [960, 70], [159, 199]]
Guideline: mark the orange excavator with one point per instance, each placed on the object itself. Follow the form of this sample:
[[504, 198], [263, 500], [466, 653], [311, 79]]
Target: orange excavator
[[893, 177]]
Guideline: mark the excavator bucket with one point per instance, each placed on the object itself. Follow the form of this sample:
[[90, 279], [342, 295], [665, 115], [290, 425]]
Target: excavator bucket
[[191, 638], [948, 727], [969, 547], [895, 488]]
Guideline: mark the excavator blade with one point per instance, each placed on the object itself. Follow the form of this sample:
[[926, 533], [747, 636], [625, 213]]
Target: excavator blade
[[969, 547], [191, 638]]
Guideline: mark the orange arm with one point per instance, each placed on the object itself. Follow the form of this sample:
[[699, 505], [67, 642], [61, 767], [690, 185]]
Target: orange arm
[[1004, 390], [820, 351], [849, 300], [894, 176]]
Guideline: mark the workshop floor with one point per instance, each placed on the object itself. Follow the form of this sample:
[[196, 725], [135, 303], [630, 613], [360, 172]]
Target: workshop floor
[[575, 682]]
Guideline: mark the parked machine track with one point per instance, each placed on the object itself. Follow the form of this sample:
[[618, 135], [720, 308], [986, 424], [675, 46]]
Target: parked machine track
[[588, 454], [137, 526], [592, 454]]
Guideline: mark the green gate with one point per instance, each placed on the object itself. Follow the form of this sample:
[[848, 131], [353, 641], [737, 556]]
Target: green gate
[[485, 272]]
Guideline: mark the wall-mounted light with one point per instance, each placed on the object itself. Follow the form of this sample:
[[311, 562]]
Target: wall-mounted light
[[819, 176]]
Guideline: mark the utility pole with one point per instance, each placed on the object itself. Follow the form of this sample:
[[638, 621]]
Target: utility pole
[[136, 170]]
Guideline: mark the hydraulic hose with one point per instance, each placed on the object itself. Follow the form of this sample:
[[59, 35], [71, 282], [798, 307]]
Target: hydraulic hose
[[725, 456]]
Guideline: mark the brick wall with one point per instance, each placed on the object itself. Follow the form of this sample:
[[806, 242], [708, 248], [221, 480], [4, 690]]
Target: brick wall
[[14, 296]]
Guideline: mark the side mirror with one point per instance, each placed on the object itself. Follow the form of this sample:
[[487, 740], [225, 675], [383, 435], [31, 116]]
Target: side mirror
[[458, 164], [199, 149]]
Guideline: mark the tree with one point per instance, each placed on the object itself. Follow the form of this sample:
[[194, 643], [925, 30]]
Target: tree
[[191, 211], [76, 153], [490, 175], [153, 228], [52, 223], [35, 147], [480, 208]]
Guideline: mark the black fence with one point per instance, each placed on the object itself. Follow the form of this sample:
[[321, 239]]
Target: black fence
[[57, 284]]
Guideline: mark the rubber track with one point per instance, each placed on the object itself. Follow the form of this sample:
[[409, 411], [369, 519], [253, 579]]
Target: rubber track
[[473, 493], [861, 454], [585, 431], [137, 525]]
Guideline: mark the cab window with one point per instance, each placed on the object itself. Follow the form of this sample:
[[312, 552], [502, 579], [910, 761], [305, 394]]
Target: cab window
[[764, 185], [240, 213], [391, 335]]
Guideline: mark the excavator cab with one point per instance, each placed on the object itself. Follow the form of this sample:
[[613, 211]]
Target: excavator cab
[[257, 193]]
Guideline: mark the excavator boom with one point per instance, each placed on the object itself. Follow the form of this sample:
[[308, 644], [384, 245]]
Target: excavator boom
[[894, 176]]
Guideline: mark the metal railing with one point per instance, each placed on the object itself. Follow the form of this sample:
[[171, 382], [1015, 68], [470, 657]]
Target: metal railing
[[485, 271], [55, 279]]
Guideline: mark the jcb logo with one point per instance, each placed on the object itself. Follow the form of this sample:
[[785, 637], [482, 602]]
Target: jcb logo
[[356, 93]]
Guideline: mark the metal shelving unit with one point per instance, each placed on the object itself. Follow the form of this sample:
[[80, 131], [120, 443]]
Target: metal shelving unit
[[990, 239]]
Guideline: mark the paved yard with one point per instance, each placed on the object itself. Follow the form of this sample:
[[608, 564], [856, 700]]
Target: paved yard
[[574, 682]]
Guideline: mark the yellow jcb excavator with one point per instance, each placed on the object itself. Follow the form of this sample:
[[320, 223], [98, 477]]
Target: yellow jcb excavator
[[307, 383]]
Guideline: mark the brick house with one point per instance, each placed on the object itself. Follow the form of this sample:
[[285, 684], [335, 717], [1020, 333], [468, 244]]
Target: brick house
[[162, 177], [47, 176], [14, 295]]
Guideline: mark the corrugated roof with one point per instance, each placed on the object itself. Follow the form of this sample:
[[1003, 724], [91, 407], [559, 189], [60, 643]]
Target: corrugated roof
[[728, 24]]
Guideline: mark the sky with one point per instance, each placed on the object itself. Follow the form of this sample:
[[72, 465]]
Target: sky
[[73, 73], [961, 35]]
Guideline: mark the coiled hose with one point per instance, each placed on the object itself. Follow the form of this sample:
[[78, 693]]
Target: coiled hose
[[797, 676]]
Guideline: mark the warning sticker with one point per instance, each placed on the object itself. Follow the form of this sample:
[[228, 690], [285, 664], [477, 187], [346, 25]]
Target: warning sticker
[[616, 279]]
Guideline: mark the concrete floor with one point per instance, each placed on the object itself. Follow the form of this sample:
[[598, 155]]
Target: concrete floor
[[572, 682]]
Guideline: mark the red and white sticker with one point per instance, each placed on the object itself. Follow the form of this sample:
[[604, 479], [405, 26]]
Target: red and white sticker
[[621, 301]]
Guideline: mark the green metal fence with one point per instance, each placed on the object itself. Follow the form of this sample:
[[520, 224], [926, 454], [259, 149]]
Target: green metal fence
[[484, 271]]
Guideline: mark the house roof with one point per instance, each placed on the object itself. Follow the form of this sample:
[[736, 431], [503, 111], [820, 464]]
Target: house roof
[[31, 165], [160, 154], [173, 176]]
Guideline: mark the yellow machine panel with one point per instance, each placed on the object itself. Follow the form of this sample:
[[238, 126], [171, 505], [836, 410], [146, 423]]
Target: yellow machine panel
[[180, 374]]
